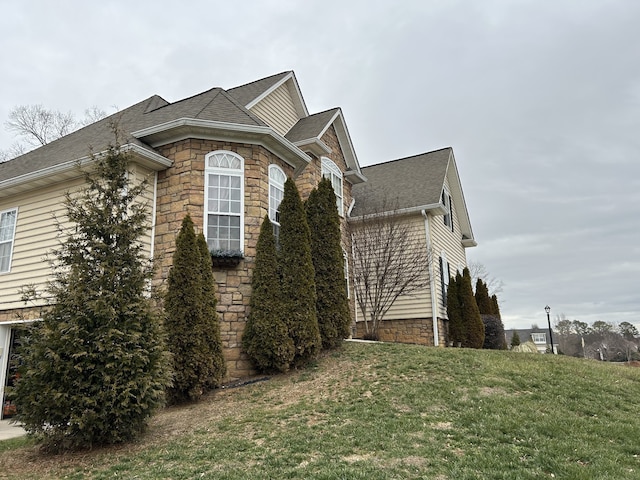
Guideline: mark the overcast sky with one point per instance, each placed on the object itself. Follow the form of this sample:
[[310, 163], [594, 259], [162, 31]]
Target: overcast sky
[[539, 100]]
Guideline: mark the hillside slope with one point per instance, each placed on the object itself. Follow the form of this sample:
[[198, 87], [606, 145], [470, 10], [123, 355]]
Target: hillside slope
[[380, 411]]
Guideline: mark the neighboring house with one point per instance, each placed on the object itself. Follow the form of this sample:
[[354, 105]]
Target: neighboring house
[[222, 156], [425, 191], [539, 337]]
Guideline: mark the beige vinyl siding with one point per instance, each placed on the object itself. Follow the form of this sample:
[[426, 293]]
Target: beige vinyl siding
[[277, 110], [141, 174], [36, 235], [451, 243], [418, 304]]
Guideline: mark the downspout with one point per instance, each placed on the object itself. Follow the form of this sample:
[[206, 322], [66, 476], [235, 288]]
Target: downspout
[[432, 282]]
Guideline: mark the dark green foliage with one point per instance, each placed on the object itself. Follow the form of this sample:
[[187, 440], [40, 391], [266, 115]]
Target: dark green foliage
[[495, 307], [210, 324], [95, 368], [490, 313], [474, 328], [332, 305], [266, 336], [493, 333], [454, 311], [515, 339], [298, 278], [485, 306], [192, 322]]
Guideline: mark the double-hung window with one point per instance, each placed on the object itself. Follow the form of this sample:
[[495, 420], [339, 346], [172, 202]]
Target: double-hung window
[[331, 171], [7, 233], [224, 201], [276, 192]]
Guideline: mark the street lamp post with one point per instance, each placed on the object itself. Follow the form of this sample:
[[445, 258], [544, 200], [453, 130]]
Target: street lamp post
[[548, 309]]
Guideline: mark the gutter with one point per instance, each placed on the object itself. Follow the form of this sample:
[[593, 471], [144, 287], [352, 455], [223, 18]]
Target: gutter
[[432, 283]]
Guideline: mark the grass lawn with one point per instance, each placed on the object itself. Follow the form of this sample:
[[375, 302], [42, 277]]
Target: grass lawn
[[382, 411]]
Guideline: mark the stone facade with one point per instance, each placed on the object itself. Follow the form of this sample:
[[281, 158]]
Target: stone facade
[[180, 190], [21, 314], [415, 331]]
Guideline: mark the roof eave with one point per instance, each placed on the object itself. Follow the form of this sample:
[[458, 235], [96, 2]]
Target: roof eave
[[183, 128], [71, 169], [354, 177], [314, 146], [434, 208]]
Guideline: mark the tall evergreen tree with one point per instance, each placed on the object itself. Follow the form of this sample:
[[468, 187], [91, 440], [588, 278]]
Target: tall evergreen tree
[[495, 307], [210, 326], [483, 301], [95, 367], [493, 327], [454, 311], [266, 336], [332, 305], [474, 328], [298, 277], [190, 313]]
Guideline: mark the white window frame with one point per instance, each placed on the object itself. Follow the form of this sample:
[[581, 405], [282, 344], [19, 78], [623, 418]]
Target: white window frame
[[331, 171], [223, 162], [8, 238], [277, 178], [539, 337]]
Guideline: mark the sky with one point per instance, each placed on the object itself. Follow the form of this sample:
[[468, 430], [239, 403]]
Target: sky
[[538, 99]]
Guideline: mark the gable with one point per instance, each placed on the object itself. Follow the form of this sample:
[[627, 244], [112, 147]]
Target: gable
[[277, 110]]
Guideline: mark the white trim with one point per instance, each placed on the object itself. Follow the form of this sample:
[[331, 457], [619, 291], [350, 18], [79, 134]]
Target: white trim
[[183, 128], [432, 282], [329, 170], [223, 171], [275, 86], [12, 242], [435, 208], [152, 244]]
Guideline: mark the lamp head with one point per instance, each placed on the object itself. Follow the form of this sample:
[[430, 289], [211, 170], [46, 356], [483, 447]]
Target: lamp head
[[547, 309]]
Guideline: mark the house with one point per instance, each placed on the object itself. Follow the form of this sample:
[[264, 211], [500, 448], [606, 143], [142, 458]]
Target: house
[[222, 156], [426, 192], [539, 337]]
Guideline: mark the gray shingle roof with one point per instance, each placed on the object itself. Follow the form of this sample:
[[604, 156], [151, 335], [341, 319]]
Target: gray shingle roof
[[214, 105], [400, 184], [248, 92], [311, 126]]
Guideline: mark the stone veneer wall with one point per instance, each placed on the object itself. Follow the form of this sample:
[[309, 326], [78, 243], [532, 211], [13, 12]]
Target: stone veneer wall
[[415, 331], [180, 191]]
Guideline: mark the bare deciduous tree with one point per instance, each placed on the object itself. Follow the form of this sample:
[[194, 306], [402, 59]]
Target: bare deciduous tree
[[478, 270], [36, 126], [389, 261]]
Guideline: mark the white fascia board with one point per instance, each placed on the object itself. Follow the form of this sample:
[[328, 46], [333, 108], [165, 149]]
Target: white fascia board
[[313, 145], [354, 177], [65, 169], [183, 128], [461, 205], [435, 208]]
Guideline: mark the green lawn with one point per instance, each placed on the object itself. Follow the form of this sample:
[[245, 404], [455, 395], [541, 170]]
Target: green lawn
[[380, 411]]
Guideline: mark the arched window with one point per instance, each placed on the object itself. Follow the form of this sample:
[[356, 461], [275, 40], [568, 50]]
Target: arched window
[[276, 191], [331, 171], [224, 201]]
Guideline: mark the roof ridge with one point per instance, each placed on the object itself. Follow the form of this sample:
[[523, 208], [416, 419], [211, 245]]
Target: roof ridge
[[260, 80], [408, 157]]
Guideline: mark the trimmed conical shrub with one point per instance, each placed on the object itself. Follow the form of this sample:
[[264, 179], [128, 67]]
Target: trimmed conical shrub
[[297, 276], [482, 298], [332, 305], [266, 336], [95, 367], [210, 325], [454, 311], [190, 313], [493, 327], [515, 339], [474, 328]]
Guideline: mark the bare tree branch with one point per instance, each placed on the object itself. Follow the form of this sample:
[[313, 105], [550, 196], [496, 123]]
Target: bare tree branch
[[390, 260], [478, 270], [38, 125]]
